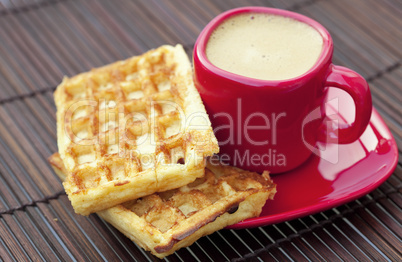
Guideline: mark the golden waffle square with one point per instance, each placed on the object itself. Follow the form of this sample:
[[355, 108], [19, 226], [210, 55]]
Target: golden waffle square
[[132, 128], [165, 222]]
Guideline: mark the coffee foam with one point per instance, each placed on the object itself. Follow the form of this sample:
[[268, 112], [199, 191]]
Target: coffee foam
[[264, 46]]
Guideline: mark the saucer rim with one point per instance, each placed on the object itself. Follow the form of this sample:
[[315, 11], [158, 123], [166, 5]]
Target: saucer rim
[[382, 175]]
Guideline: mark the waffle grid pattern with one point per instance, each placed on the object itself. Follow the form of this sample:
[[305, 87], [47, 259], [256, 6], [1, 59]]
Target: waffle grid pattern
[[126, 129], [166, 221]]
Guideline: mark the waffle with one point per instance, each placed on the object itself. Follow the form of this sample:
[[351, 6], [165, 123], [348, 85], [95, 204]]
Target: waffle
[[167, 221], [131, 128]]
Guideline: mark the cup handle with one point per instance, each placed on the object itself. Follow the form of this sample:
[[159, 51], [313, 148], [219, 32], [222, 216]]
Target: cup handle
[[357, 87]]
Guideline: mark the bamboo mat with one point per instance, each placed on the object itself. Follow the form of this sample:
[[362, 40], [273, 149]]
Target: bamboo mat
[[40, 41]]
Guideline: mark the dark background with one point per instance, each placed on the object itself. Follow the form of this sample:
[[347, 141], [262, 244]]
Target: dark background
[[40, 41]]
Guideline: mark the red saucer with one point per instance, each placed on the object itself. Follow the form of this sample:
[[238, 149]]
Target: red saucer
[[337, 175]]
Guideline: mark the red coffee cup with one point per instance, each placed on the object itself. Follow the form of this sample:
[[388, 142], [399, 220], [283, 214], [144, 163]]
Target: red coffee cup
[[271, 124]]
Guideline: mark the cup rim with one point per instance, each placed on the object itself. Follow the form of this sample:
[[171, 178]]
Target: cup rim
[[324, 58]]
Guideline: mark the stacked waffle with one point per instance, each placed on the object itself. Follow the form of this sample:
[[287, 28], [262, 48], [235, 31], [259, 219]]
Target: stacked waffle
[[133, 140]]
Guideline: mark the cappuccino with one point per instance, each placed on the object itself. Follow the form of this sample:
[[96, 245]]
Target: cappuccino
[[264, 46]]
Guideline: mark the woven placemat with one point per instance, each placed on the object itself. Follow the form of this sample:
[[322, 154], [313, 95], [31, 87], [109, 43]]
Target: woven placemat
[[43, 40]]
